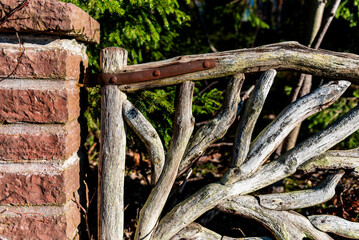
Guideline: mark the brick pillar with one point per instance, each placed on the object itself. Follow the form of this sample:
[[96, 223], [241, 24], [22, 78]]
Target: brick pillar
[[39, 110]]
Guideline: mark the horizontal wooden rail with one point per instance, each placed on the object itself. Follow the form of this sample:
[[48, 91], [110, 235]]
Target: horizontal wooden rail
[[280, 56]]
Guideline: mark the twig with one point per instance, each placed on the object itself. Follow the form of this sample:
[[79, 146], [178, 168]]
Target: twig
[[305, 82], [22, 51], [221, 144], [18, 8], [323, 30], [207, 87]]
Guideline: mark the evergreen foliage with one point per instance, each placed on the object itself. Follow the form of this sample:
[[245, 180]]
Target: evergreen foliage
[[156, 29]]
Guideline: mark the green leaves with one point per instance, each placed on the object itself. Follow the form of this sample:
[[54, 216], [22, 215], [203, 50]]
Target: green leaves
[[331, 114], [349, 11], [136, 25]]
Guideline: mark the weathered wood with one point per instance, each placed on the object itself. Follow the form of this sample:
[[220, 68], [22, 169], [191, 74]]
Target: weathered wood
[[246, 125], [280, 56], [217, 127], [334, 159], [182, 130], [111, 167], [209, 196], [303, 198], [305, 81], [328, 20], [285, 225], [149, 136], [195, 231], [336, 225], [269, 139]]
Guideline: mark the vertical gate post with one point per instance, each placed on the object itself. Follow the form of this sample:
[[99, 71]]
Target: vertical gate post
[[111, 168]]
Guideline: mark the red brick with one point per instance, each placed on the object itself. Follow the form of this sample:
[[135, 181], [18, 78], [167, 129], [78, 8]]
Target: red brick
[[40, 63], [38, 101], [50, 17], [39, 223], [39, 142], [39, 183]]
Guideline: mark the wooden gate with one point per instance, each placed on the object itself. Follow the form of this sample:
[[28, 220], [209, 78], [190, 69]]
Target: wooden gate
[[250, 170]]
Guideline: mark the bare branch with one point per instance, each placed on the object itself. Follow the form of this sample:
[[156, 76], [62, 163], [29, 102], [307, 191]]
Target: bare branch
[[269, 139], [212, 194], [336, 225], [305, 81], [324, 28], [146, 132], [253, 108], [286, 225], [182, 130], [281, 56], [304, 198], [246, 125], [217, 127], [111, 167], [316, 21], [335, 159]]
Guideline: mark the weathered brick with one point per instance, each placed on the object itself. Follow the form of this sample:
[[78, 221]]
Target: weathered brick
[[39, 223], [51, 17], [39, 182], [41, 62], [39, 101], [39, 142]]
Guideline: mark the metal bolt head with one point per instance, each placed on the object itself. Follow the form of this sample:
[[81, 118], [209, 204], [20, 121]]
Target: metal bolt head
[[206, 64], [113, 79], [156, 73]]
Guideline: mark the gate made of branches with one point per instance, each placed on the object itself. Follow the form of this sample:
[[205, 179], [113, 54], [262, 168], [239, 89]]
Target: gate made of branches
[[250, 171]]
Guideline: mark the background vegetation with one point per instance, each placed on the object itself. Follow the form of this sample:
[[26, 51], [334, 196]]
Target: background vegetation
[[158, 29]]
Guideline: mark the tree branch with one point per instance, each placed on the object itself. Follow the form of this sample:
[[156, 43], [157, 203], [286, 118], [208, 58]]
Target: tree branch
[[280, 56], [209, 196], [182, 130], [336, 225], [305, 81], [286, 225], [146, 132], [246, 124], [269, 139], [217, 127], [304, 198], [335, 159]]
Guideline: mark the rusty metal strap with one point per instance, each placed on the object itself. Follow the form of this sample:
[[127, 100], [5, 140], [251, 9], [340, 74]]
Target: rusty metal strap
[[151, 74]]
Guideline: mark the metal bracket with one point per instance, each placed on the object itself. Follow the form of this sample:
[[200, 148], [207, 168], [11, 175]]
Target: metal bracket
[[153, 73]]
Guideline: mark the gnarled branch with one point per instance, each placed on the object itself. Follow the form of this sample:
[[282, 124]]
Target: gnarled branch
[[253, 108], [334, 159], [149, 136], [304, 198], [269, 139], [212, 194], [286, 225], [182, 130], [336, 225], [217, 127]]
